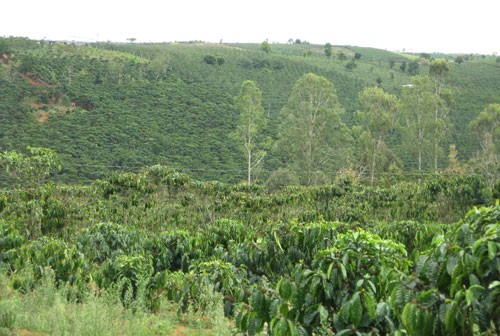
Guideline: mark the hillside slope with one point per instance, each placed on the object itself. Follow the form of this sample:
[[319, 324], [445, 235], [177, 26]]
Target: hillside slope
[[107, 106]]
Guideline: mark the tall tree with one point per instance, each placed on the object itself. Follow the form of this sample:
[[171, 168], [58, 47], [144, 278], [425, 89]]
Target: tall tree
[[312, 132], [439, 70], [377, 117], [419, 104], [487, 128], [252, 120]]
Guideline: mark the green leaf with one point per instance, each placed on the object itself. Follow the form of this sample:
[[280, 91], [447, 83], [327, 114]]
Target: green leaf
[[283, 309], [273, 308], [255, 325], [409, 318], [279, 327], [291, 328], [310, 315], [285, 289], [494, 284], [370, 304], [343, 270], [442, 312], [427, 298], [344, 312], [451, 317], [356, 310], [344, 332], [469, 296], [329, 271], [492, 250], [242, 320], [345, 258], [301, 331], [382, 310], [323, 314], [451, 264], [258, 303], [277, 239]]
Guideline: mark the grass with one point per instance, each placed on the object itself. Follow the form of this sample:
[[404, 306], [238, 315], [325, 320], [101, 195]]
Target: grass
[[48, 310]]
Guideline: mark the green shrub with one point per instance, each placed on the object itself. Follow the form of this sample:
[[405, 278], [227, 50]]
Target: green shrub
[[456, 289], [171, 250], [210, 59], [106, 240]]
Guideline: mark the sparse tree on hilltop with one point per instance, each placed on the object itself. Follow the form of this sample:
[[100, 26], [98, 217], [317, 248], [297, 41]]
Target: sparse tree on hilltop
[[328, 50], [265, 47]]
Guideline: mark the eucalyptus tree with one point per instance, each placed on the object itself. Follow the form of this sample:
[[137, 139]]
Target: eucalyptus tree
[[252, 120], [439, 70], [312, 133], [487, 128], [378, 116], [418, 105]]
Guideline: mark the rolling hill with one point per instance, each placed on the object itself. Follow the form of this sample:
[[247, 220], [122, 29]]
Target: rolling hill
[[107, 106]]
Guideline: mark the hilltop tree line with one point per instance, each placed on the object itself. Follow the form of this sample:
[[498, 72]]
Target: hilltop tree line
[[314, 142]]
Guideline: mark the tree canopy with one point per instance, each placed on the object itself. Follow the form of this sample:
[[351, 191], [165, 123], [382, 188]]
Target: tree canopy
[[312, 132], [252, 120]]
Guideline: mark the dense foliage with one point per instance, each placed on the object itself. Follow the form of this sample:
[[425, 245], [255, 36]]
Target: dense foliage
[[99, 144], [106, 107], [344, 258]]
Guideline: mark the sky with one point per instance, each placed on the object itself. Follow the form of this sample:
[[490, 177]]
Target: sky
[[449, 26]]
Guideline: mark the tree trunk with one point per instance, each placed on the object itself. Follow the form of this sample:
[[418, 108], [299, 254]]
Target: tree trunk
[[249, 167], [436, 156], [375, 147]]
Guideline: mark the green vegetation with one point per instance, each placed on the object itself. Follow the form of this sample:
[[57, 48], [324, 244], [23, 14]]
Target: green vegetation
[[54, 310], [156, 251], [105, 107], [370, 202], [312, 134], [252, 120], [378, 122]]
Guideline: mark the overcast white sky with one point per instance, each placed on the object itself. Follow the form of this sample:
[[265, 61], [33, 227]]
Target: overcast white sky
[[414, 25]]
